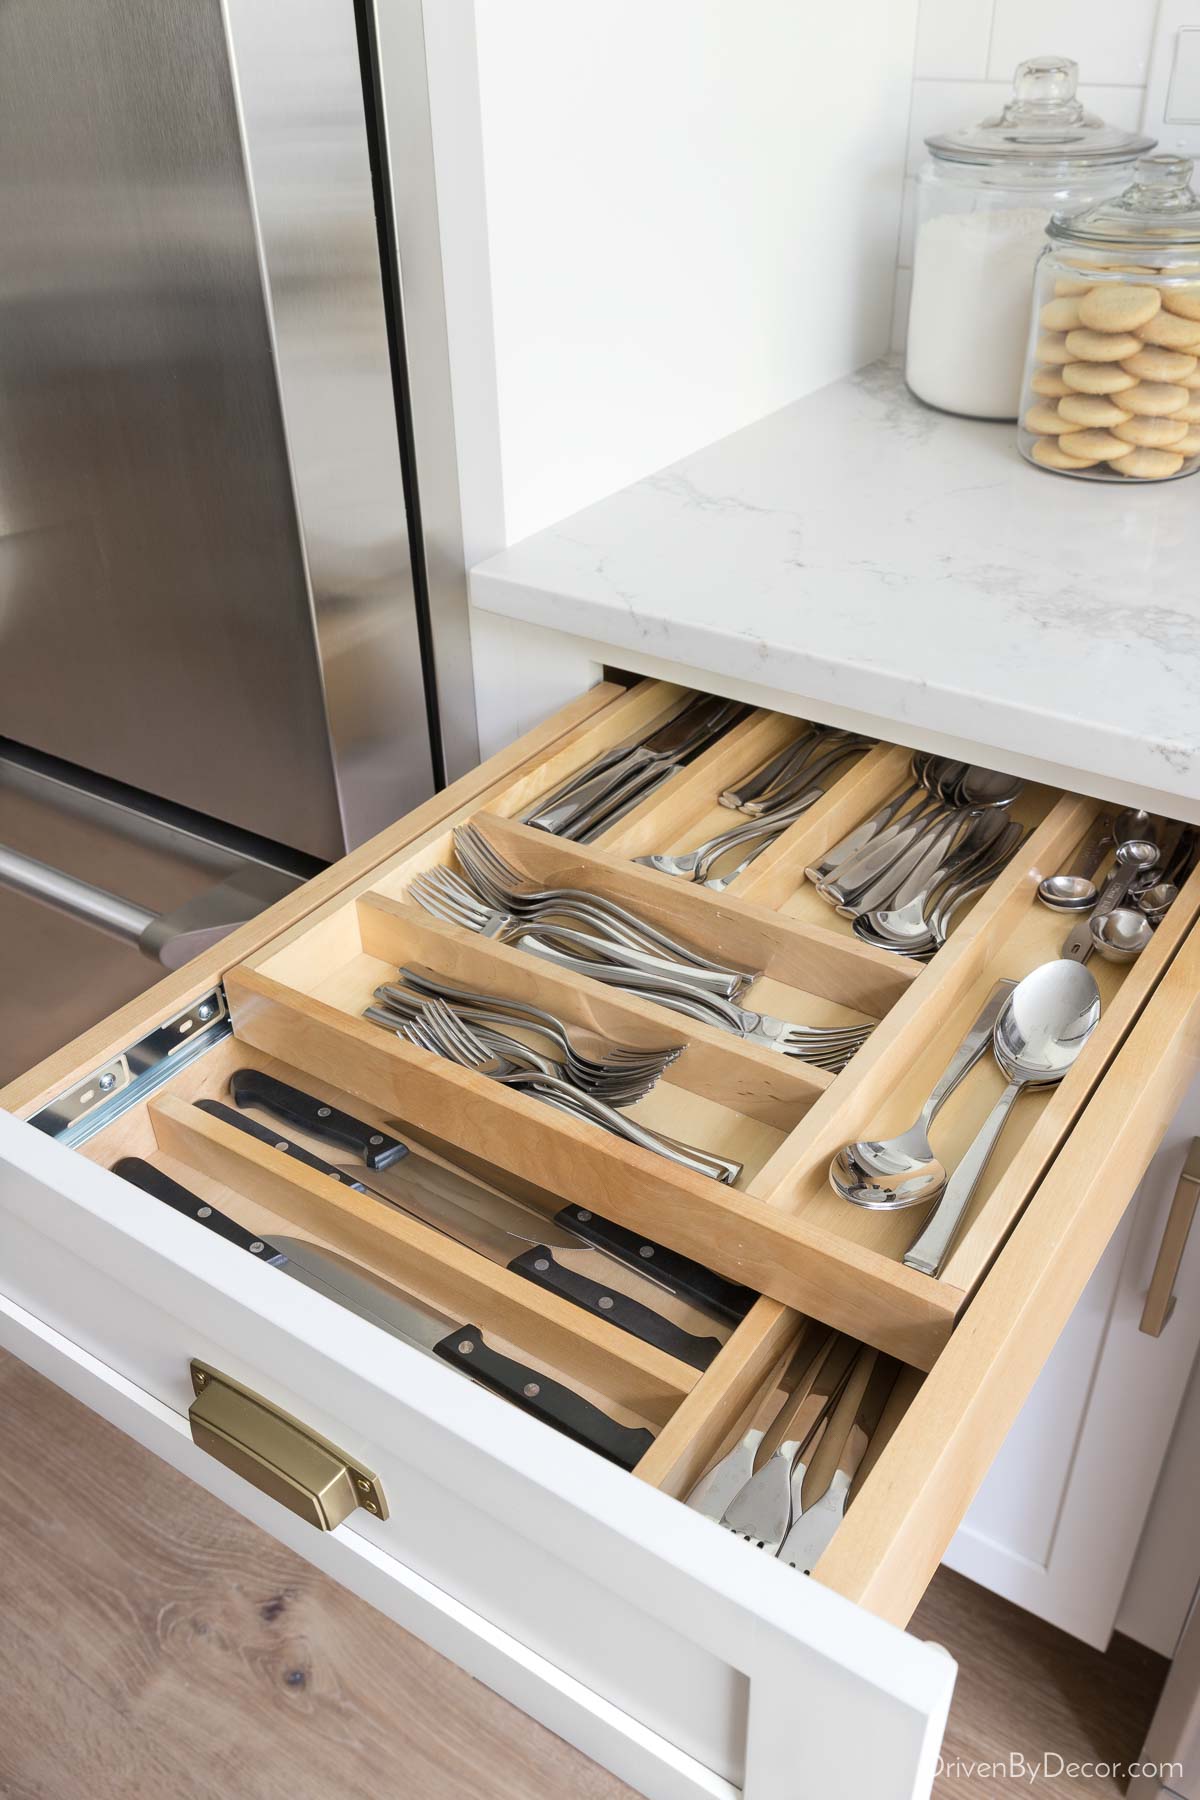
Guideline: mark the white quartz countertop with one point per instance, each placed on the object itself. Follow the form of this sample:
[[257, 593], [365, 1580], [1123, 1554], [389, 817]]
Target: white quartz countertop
[[857, 556]]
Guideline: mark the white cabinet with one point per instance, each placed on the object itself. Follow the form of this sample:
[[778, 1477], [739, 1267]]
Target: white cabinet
[[1056, 1524]]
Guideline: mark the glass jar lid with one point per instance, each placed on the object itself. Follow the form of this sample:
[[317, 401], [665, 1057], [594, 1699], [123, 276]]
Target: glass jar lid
[[1160, 211], [1043, 123]]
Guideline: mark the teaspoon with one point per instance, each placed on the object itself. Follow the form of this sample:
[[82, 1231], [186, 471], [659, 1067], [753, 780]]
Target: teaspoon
[[1042, 1027]]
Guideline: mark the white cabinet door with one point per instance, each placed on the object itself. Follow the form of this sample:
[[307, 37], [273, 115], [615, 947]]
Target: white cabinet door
[[1056, 1525]]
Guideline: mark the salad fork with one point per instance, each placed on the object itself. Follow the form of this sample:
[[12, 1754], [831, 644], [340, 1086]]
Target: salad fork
[[439, 1032]]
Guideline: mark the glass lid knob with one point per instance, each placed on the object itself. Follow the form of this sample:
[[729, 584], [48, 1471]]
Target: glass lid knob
[[1044, 92]]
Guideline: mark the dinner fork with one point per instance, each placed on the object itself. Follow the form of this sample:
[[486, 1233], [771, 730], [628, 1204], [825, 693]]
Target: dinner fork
[[826, 1045], [444, 894], [506, 889], [439, 1032]]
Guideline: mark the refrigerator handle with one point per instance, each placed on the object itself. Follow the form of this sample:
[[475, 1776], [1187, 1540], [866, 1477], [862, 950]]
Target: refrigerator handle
[[170, 938]]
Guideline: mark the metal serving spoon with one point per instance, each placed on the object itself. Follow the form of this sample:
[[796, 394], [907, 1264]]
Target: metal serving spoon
[[1042, 1027], [887, 1174]]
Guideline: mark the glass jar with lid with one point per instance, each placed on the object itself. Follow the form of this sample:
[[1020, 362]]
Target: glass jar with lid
[[982, 204], [1112, 385]]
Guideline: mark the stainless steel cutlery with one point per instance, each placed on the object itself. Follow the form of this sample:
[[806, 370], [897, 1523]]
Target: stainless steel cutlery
[[439, 1031], [1041, 1029], [797, 785], [902, 874], [419, 1325], [885, 1174], [590, 799], [618, 949]]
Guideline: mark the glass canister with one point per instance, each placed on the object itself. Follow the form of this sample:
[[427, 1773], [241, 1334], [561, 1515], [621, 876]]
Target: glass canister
[[1112, 385], [982, 204]]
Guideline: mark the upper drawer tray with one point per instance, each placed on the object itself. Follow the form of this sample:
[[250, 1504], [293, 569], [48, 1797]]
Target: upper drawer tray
[[780, 1228]]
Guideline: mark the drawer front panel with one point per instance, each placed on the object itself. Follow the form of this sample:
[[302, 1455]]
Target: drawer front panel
[[641, 1601]]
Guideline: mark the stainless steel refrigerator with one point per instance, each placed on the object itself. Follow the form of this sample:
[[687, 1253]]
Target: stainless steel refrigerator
[[227, 650]]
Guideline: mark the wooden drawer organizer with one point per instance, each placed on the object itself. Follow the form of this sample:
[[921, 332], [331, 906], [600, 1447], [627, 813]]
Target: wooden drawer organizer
[[782, 1231], [296, 1003]]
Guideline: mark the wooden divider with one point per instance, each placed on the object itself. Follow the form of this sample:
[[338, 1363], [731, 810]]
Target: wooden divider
[[430, 1265]]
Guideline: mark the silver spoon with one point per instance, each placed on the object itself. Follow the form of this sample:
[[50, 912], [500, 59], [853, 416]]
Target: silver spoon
[[1133, 855], [1121, 935], [1076, 892], [986, 787], [887, 1174], [1042, 1027]]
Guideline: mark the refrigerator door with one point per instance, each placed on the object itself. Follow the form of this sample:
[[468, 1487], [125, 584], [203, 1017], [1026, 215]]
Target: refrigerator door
[[206, 588]]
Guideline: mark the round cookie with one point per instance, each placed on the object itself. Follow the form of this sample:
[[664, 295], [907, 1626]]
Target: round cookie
[[1183, 301], [1155, 399], [1099, 444], [1090, 409], [1098, 378], [1045, 420], [1065, 289], [1053, 348], [1118, 306], [1049, 453], [1191, 381], [1050, 383], [1150, 465], [1153, 363], [1171, 331], [1152, 434], [1060, 315], [1087, 345], [1189, 414], [1189, 445]]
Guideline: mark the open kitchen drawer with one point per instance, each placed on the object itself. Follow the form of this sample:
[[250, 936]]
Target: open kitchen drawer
[[682, 1658]]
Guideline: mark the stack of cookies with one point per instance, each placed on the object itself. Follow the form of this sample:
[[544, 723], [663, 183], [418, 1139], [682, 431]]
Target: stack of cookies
[[1116, 378]]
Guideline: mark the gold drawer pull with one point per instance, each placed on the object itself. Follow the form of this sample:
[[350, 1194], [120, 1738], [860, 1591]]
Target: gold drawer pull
[[279, 1455], [1160, 1297]]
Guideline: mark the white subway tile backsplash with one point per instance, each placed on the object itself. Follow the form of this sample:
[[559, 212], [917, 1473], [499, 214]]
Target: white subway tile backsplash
[[908, 224], [953, 37], [1109, 40]]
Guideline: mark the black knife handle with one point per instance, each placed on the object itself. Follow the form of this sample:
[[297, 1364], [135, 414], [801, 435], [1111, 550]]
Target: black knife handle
[[547, 1400], [619, 1309], [691, 1280], [250, 1087], [152, 1181], [216, 1109]]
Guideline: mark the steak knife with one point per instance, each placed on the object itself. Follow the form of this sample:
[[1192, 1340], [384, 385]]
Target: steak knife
[[416, 1324], [379, 1152], [532, 1258]]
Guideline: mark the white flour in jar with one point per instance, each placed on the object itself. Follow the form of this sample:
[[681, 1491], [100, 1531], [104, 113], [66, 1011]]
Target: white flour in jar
[[968, 326]]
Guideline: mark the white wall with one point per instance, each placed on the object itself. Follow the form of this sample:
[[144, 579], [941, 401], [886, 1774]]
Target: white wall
[[691, 211], [967, 51]]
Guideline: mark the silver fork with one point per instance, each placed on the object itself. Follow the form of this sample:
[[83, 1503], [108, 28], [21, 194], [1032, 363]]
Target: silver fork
[[438, 1031], [828, 1045], [613, 1057], [441, 892], [620, 1084], [503, 887]]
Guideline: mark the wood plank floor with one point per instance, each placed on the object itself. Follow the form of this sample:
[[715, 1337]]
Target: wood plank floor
[[155, 1644]]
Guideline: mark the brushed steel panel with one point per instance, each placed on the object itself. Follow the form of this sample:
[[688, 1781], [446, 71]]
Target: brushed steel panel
[[156, 618]]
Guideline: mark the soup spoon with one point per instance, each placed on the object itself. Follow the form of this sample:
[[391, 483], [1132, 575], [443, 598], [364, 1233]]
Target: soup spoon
[[1042, 1027], [887, 1174]]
